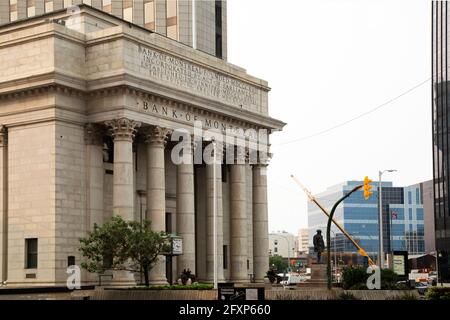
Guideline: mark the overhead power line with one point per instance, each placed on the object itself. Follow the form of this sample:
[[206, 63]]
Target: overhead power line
[[355, 118]]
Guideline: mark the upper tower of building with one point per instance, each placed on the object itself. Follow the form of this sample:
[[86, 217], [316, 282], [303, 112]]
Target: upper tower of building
[[201, 24]]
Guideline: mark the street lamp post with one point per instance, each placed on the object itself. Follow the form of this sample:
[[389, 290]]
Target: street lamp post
[[330, 218], [335, 254], [380, 219]]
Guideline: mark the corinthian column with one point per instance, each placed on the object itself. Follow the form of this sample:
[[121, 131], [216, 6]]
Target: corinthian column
[[155, 138], [3, 204], [260, 222], [123, 132], [93, 136], [238, 219], [186, 211]]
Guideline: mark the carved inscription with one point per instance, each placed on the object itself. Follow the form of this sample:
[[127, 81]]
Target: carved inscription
[[198, 79]]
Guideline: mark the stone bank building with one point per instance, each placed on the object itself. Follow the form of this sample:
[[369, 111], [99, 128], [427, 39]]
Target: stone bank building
[[89, 98]]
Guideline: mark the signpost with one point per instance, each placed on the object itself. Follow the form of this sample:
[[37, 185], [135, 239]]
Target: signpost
[[400, 264], [227, 292]]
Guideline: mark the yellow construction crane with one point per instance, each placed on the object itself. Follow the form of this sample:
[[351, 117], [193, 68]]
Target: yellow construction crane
[[361, 251]]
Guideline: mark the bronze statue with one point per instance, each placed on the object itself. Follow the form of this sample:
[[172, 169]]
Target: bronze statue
[[319, 245]]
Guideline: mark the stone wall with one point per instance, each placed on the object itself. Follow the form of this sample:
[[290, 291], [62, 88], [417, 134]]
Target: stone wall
[[32, 213]]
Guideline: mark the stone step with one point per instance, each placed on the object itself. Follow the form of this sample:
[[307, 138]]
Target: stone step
[[312, 284]]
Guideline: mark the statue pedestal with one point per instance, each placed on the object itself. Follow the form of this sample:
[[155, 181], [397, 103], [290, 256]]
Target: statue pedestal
[[318, 277]]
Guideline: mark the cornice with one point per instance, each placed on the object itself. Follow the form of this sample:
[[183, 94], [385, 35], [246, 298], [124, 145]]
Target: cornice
[[140, 84]]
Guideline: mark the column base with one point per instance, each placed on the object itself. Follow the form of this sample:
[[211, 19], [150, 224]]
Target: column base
[[121, 279]]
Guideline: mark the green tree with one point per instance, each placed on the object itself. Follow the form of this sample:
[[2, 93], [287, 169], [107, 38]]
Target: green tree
[[123, 245], [278, 263], [144, 246], [106, 247]]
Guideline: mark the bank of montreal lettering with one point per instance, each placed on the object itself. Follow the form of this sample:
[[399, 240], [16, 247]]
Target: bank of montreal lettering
[[172, 113], [186, 75]]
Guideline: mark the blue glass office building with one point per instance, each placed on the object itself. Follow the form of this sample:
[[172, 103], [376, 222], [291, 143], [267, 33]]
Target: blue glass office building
[[403, 218]]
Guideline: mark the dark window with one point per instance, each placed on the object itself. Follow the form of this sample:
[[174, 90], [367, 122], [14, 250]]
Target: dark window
[[168, 222], [224, 172], [225, 257], [108, 149], [70, 261], [248, 264], [31, 246], [219, 53]]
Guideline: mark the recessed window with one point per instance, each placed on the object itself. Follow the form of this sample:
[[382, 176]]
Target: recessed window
[[31, 253], [70, 261], [149, 14], [48, 6], [106, 5], [172, 19], [12, 10], [219, 51], [31, 8], [225, 257], [128, 10]]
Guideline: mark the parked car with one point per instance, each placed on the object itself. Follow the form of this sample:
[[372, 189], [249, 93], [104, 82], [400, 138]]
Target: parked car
[[292, 279]]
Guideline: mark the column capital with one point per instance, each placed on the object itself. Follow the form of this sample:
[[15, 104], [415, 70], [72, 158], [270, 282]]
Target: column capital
[[3, 136], [156, 135], [93, 134], [262, 161], [123, 128]]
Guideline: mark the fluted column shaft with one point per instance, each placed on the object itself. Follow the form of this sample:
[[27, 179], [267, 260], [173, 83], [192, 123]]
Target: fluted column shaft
[[210, 184], [238, 222], [123, 132], [155, 138], [186, 212], [260, 222]]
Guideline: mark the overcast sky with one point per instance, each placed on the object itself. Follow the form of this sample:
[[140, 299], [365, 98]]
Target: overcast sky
[[328, 61]]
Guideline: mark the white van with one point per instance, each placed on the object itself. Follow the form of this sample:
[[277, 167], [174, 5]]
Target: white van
[[292, 278]]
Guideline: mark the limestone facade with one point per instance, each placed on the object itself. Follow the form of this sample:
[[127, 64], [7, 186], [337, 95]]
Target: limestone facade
[[88, 109], [201, 24]]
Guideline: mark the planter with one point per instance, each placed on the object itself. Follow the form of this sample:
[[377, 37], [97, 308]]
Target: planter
[[112, 294]]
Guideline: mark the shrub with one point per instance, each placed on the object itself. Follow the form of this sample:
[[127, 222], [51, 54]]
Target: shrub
[[438, 293], [389, 279], [186, 275], [353, 276]]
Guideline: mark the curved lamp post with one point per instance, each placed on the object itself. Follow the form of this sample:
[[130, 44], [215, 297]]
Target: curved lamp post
[[380, 219], [330, 219]]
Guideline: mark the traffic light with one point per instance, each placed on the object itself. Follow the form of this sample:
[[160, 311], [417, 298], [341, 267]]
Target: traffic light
[[367, 187]]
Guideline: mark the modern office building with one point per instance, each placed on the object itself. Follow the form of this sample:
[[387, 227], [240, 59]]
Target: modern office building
[[89, 107], [201, 24], [403, 220], [283, 244], [440, 127], [428, 215], [303, 241]]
